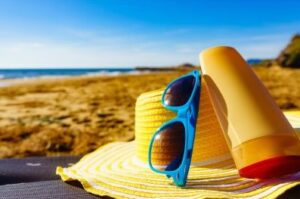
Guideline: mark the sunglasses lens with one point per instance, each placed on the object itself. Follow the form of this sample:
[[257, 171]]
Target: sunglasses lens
[[179, 92], [168, 147]]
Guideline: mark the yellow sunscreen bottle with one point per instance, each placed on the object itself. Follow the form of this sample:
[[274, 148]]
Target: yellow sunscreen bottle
[[262, 142]]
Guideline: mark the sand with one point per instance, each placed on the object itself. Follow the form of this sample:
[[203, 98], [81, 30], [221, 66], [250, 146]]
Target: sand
[[74, 116]]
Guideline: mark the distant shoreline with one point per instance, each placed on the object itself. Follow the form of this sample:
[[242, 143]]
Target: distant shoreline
[[45, 72], [5, 82]]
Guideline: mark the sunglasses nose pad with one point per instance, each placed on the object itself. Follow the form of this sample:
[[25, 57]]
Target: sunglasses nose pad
[[192, 119]]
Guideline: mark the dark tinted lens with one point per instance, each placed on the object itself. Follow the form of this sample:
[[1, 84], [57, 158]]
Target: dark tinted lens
[[179, 91], [168, 147]]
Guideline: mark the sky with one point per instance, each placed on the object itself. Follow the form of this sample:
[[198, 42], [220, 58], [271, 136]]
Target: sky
[[112, 33]]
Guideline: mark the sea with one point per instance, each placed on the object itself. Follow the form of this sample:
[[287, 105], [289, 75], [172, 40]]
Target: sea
[[41, 73]]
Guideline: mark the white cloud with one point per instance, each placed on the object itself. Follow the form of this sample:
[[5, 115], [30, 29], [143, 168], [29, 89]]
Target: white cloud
[[92, 48]]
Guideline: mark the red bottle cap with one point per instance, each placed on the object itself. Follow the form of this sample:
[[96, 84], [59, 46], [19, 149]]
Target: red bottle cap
[[272, 168]]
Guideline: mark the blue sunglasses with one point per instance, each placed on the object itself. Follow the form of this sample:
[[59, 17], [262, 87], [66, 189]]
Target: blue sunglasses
[[171, 146]]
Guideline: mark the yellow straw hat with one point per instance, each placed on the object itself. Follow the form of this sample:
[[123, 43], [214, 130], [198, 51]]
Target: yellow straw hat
[[120, 169], [150, 115]]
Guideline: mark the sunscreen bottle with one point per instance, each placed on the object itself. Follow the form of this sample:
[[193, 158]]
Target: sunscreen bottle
[[262, 142]]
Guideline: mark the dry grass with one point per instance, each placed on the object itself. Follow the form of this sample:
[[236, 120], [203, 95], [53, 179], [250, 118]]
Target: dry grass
[[283, 84], [77, 115]]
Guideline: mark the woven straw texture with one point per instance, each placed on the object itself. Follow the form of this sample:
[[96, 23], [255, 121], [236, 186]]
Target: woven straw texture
[[120, 170], [150, 115]]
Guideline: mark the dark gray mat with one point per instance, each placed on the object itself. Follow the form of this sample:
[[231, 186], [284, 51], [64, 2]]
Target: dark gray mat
[[44, 190], [32, 169], [291, 193], [60, 190]]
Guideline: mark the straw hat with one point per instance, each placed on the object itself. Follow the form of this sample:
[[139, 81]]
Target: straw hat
[[150, 115], [121, 170]]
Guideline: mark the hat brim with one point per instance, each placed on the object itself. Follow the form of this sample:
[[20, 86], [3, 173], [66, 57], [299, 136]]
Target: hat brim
[[113, 170]]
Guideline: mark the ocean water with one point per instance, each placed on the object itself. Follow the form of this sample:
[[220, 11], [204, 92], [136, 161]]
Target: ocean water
[[35, 73]]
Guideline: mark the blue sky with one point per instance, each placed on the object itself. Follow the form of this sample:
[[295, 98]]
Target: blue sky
[[81, 33]]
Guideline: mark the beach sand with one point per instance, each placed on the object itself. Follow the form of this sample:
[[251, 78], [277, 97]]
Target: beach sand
[[74, 116]]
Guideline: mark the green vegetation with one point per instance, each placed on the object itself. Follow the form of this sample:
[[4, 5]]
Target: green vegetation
[[290, 56]]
